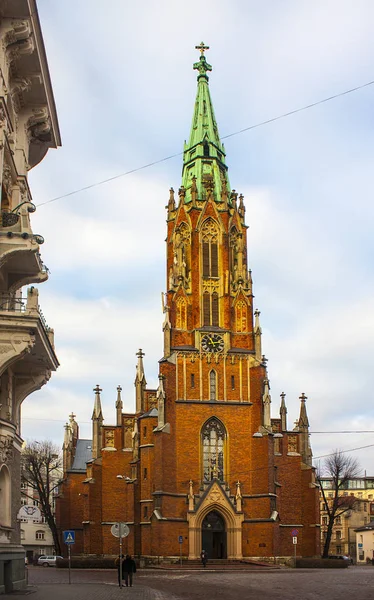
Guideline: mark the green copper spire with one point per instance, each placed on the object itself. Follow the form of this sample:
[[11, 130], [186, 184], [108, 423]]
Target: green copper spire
[[204, 156]]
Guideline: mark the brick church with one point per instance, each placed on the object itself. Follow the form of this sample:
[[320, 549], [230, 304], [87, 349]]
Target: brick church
[[202, 463]]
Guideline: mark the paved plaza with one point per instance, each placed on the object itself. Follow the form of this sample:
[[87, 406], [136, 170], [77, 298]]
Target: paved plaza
[[285, 584]]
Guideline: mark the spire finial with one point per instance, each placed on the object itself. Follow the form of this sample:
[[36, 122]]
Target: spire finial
[[202, 48], [202, 66]]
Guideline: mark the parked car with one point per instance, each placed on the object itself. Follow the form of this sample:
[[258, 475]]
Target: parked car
[[341, 557], [48, 561]]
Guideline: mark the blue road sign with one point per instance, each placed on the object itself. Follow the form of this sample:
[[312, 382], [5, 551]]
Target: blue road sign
[[180, 539], [69, 536]]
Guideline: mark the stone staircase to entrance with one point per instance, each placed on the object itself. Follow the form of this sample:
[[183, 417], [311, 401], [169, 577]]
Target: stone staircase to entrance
[[216, 565]]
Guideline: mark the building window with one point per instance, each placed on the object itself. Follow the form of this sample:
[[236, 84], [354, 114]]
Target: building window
[[338, 549], [22, 534], [144, 432], [212, 385], [232, 382], [145, 473], [39, 535], [210, 309], [35, 502], [324, 520], [213, 441], [23, 485], [338, 521], [145, 512], [192, 380], [338, 535]]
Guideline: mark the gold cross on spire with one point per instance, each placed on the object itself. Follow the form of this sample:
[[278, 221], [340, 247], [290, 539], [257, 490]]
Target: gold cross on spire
[[202, 48]]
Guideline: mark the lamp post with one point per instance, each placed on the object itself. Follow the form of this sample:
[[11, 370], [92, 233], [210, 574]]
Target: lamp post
[[123, 531]]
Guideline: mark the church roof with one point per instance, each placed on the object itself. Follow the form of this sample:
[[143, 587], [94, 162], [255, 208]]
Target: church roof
[[151, 413], [83, 454]]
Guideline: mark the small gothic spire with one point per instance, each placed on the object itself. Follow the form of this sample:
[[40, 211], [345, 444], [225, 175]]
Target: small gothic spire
[[140, 382], [161, 401], [97, 421], [283, 412], [119, 406], [303, 427], [257, 321], [266, 399], [303, 419], [171, 203], [97, 412], [241, 209]]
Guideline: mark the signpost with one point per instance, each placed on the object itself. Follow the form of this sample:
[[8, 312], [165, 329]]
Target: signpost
[[294, 533], [69, 539], [120, 530], [180, 540]]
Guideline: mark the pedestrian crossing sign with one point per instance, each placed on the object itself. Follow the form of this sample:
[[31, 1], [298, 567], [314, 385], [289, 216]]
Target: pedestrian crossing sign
[[69, 537]]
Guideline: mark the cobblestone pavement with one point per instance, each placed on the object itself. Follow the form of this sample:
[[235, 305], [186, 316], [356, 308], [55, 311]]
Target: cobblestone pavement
[[303, 584]]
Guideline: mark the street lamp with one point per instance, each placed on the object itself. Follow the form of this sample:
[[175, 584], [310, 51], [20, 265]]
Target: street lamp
[[120, 532]]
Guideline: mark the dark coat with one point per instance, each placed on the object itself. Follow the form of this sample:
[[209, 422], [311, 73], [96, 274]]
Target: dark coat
[[128, 566]]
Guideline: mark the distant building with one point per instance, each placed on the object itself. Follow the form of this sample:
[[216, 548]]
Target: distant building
[[202, 463], [36, 536], [365, 543], [361, 491], [28, 128]]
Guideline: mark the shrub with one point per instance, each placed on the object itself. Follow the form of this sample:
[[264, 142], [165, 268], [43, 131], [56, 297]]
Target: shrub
[[87, 562], [321, 563]]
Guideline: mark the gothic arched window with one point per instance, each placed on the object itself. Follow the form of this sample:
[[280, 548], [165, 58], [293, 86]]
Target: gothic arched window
[[210, 249], [241, 316], [181, 320], [212, 385], [213, 438]]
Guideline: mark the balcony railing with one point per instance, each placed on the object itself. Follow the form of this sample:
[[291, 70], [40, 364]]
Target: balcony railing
[[19, 304]]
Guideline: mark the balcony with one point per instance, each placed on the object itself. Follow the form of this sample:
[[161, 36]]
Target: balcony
[[27, 354]]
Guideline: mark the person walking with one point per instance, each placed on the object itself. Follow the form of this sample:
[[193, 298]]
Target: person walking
[[129, 568], [117, 562], [204, 557]]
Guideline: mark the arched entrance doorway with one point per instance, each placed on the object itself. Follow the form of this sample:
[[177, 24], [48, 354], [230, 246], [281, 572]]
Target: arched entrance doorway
[[213, 531]]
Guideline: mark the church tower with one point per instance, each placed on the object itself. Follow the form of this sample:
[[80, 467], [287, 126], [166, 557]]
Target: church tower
[[201, 461], [218, 435]]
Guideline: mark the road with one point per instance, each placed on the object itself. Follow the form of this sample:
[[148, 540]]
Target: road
[[303, 584]]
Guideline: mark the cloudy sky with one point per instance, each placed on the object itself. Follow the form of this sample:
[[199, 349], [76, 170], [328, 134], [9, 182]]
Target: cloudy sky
[[124, 88]]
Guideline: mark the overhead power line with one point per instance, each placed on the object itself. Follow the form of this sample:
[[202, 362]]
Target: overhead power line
[[311, 432], [229, 135]]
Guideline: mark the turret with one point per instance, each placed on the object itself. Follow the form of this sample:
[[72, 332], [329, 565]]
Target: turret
[[140, 382], [97, 422]]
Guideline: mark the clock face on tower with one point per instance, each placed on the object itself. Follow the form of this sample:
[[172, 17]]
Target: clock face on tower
[[212, 342]]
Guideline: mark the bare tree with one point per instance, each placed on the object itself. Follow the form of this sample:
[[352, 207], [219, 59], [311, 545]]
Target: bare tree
[[338, 468], [41, 468]]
